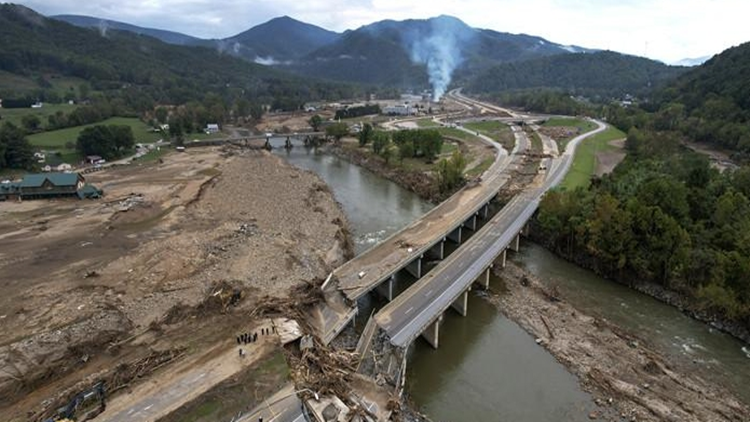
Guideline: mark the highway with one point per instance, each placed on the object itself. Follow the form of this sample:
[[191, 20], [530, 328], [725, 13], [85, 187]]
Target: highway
[[405, 318], [366, 271]]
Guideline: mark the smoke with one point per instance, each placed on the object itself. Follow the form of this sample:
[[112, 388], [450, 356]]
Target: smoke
[[439, 49], [103, 26]]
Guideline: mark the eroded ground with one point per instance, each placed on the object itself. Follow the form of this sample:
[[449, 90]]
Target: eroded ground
[[88, 285]]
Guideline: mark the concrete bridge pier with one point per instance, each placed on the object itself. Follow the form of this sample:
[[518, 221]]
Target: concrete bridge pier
[[386, 288], [515, 245], [267, 145], [415, 267], [503, 257], [432, 333], [471, 223], [438, 250], [484, 279], [455, 235], [485, 211], [461, 305]]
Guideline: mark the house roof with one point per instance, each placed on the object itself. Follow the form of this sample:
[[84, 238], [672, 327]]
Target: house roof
[[57, 179], [8, 187]]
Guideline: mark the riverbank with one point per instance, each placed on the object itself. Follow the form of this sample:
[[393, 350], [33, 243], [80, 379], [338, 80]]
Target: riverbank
[[421, 183], [687, 305], [627, 377]]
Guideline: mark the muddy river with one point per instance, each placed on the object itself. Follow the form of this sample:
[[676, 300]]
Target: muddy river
[[487, 367]]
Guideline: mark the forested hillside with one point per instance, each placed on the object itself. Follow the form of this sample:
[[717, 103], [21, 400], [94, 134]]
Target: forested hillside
[[664, 215], [603, 74], [139, 70], [710, 103]]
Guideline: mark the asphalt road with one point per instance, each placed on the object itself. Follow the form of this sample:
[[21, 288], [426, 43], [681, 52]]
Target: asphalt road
[[366, 271], [405, 318]]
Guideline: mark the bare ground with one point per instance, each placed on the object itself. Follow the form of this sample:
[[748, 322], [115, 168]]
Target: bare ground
[[606, 161], [629, 380], [88, 285]]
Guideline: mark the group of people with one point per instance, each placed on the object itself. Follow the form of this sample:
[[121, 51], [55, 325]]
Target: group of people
[[246, 338]]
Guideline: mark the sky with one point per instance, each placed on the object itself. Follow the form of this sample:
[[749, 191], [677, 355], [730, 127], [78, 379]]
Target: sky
[[666, 30]]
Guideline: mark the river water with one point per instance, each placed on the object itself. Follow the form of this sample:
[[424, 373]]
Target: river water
[[487, 367]]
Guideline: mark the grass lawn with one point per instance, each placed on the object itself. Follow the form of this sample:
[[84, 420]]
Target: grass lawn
[[15, 115], [481, 168], [536, 141], [584, 163], [57, 139], [583, 125], [427, 123], [495, 130]]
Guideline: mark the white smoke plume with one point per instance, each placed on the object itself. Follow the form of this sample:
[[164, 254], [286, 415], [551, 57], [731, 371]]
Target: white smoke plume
[[103, 26], [440, 50]]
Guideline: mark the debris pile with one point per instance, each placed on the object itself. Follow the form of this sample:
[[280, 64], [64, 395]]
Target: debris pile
[[132, 201]]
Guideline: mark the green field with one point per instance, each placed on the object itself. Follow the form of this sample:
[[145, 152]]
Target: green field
[[495, 130], [14, 115], [458, 134], [583, 125], [427, 123], [584, 163], [58, 139], [64, 140]]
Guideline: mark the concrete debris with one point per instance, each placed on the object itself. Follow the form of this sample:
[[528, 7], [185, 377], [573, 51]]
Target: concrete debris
[[288, 330], [130, 202]]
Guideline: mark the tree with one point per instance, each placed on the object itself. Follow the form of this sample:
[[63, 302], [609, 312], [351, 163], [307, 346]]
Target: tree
[[15, 150], [315, 122], [450, 172], [161, 114], [108, 142], [31, 122], [337, 131], [365, 134], [380, 142]]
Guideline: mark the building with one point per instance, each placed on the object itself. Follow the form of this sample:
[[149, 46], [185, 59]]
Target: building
[[399, 110], [48, 185], [94, 159], [212, 128]]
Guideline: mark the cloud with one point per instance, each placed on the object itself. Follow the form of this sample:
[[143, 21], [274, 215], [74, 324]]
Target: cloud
[[663, 29]]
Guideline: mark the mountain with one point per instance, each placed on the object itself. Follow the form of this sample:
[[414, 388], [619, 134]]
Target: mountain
[[602, 73], [103, 25], [36, 52], [413, 51], [692, 62], [279, 40], [711, 102]]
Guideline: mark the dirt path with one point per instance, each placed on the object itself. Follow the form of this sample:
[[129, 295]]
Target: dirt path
[[628, 379]]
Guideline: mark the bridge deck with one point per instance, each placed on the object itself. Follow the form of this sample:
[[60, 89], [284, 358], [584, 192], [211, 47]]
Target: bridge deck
[[405, 318], [389, 256]]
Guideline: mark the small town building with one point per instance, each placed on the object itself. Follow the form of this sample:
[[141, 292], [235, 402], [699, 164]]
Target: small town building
[[48, 185], [93, 159], [399, 110], [212, 128]]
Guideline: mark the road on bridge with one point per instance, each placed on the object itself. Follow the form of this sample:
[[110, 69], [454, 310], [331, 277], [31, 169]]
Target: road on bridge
[[405, 318]]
